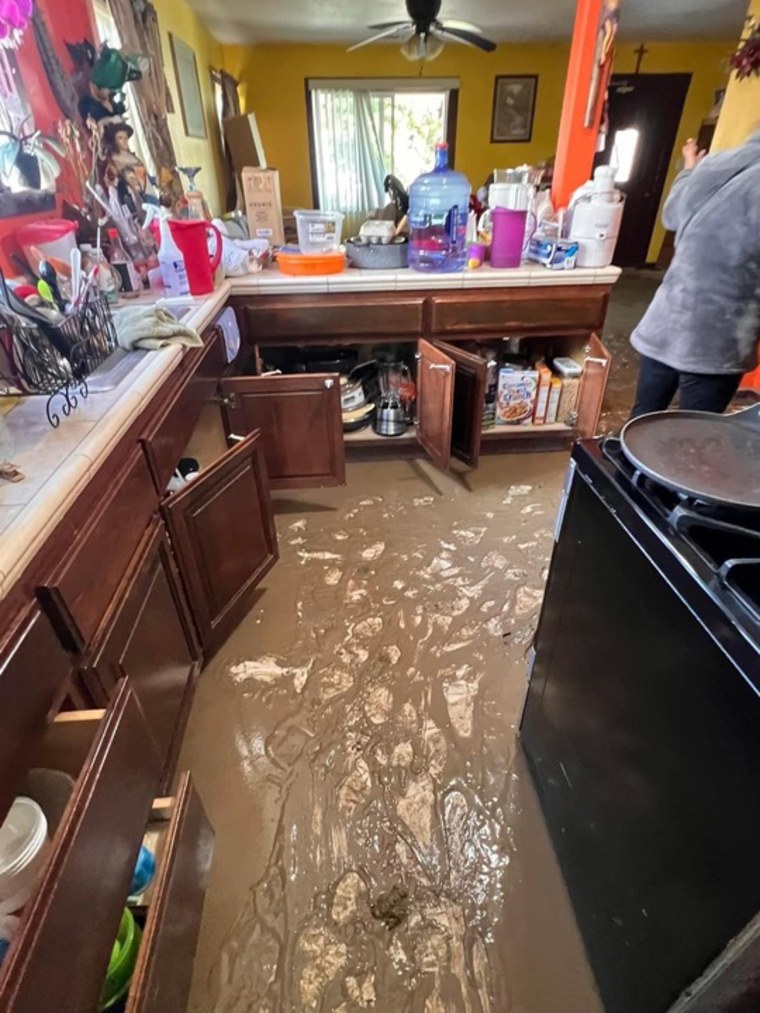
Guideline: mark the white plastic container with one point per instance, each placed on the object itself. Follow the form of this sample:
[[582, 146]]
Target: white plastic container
[[171, 260], [24, 846], [319, 231]]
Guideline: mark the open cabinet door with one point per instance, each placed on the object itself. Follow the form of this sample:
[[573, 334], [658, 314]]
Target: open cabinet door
[[224, 538], [436, 372], [596, 372], [300, 422], [469, 396]]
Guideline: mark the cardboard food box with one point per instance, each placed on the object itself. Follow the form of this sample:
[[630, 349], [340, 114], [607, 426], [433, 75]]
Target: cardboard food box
[[542, 396], [567, 410], [554, 395], [516, 397], [263, 205]]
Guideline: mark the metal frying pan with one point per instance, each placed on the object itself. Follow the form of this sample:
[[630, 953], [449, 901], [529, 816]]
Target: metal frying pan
[[713, 458]]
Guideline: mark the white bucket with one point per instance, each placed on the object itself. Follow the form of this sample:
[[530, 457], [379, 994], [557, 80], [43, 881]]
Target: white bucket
[[24, 846]]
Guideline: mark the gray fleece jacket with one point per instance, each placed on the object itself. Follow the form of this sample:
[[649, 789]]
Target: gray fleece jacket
[[705, 317]]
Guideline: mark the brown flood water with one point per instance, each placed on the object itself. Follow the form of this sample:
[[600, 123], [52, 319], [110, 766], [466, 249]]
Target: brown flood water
[[379, 845]]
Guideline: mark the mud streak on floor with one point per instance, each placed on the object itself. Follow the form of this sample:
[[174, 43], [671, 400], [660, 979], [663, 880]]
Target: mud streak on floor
[[371, 701]]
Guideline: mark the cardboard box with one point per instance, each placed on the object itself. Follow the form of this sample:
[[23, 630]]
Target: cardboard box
[[554, 395], [567, 410], [542, 397], [263, 205], [516, 397]]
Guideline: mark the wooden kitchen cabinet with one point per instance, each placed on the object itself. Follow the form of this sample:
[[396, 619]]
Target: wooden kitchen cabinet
[[147, 635], [34, 670], [223, 535], [299, 418], [451, 385], [59, 955]]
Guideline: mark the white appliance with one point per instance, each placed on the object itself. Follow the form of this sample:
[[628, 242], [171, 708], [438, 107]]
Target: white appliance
[[595, 215]]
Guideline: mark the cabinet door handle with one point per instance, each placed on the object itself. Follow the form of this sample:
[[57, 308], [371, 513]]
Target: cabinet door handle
[[329, 384], [442, 366], [234, 438]]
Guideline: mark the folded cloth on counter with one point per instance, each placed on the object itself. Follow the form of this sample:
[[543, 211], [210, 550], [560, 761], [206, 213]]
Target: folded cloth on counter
[[152, 327]]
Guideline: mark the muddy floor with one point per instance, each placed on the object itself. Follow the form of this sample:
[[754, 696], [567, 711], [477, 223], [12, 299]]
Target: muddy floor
[[379, 844]]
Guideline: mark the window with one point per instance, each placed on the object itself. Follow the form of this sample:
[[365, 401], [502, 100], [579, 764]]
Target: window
[[361, 130], [107, 32], [624, 149]]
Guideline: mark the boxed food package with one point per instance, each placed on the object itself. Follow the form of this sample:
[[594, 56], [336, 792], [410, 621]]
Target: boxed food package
[[542, 395], [263, 205], [516, 397], [567, 409], [556, 254], [552, 407]]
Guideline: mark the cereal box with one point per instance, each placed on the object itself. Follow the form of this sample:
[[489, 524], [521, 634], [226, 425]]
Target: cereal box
[[516, 397]]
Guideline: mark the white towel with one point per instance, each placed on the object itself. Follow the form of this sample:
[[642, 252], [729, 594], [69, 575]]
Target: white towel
[[152, 327]]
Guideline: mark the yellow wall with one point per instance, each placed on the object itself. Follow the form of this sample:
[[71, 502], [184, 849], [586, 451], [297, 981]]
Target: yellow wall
[[272, 79], [740, 114], [176, 17]]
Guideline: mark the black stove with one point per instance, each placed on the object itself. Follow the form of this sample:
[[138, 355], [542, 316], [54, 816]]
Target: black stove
[[641, 725]]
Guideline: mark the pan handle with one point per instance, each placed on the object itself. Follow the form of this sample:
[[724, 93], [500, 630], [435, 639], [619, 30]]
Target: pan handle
[[748, 417]]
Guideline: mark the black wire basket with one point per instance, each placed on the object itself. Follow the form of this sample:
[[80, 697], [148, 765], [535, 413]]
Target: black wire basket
[[55, 359]]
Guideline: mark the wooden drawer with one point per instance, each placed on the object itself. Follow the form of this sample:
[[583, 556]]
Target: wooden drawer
[[360, 318], [59, 957], [34, 670], [560, 308], [162, 978], [168, 433], [78, 592]]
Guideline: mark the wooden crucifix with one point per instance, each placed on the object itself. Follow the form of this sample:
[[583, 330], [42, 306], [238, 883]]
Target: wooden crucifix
[[640, 53]]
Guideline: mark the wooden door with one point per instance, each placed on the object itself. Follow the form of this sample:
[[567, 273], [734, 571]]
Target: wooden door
[[596, 371], [469, 398], [224, 538], [644, 114], [300, 422], [148, 636]]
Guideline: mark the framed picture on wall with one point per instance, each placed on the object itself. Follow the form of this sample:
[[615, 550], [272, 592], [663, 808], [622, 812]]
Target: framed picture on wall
[[188, 87], [514, 105]]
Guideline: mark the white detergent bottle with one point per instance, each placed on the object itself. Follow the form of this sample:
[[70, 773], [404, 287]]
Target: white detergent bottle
[[172, 263]]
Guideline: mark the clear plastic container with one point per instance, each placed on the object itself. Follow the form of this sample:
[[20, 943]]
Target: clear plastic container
[[319, 231], [439, 203]]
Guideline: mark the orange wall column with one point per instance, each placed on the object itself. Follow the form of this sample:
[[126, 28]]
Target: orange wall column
[[576, 145]]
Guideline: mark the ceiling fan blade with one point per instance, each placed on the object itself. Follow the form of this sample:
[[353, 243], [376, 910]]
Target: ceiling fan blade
[[463, 26], [376, 38], [469, 38], [388, 24]]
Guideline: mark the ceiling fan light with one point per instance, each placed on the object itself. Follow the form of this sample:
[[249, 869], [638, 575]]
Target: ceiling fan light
[[422, 47], [434, 47]]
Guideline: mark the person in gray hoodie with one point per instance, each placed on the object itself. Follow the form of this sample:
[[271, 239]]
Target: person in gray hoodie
[[700, 334]]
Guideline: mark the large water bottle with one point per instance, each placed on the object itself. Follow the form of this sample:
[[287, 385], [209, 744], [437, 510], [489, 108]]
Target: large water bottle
[[439, 202]]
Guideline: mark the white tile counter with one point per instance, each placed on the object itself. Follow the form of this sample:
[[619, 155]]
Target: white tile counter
[[58, 463]]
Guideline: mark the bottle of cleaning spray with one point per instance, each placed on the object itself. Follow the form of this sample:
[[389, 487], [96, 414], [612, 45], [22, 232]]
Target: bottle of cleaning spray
[[172, 262]]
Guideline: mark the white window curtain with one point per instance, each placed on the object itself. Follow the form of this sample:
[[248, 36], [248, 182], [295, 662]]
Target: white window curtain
[[348, 152]]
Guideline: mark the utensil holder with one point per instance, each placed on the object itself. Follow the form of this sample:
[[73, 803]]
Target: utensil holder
[[55, 359]]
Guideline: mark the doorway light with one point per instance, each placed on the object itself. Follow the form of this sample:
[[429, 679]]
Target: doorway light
[[624, 149]]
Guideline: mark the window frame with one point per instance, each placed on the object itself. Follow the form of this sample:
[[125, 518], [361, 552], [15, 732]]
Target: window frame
[[385, 85]]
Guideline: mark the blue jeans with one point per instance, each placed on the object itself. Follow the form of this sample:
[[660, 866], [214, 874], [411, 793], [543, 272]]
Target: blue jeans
[[702, 392]]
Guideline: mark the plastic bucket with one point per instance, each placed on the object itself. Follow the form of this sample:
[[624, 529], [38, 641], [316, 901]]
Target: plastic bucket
[[54, 238], [319, 231], [121, 966], [24, 846]]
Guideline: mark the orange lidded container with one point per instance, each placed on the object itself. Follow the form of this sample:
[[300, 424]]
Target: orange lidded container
[[292, 261]]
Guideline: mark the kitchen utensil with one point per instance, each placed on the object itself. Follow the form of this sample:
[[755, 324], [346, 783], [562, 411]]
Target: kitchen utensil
[[358, 419], [121, 966], [390, 419], [292, 261], [24, 845], [192, 238], [76, 274], [508, 241], [373, 256], [145, 870], [48, 274], [712, 458]]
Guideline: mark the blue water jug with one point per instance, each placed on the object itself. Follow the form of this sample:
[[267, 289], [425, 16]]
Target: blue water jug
[[439, 202]]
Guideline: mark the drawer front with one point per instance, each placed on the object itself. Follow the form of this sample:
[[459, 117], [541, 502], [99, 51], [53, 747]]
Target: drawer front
[[78, 593], [560, 308], [169, 432], [33, 673], [162, 979], [60, 955], [312, 317]]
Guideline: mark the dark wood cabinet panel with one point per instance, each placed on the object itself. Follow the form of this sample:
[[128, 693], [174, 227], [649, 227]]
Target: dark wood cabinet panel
[[435, 402], [521, 310], [60, 954], [147, 635], [593, 385], [300, 422], [34, 670], [166, 437], [78, 592], [468, 401], [272, 320], [162, 978], [223, 535]]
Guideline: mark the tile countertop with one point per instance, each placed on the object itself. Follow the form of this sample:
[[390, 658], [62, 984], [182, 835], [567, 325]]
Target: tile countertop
[[57, 463]]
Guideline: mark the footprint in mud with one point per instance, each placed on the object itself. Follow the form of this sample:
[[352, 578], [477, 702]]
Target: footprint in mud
[[528, 599], [298, 525], [333, 577], [420, 501], [373, 551]]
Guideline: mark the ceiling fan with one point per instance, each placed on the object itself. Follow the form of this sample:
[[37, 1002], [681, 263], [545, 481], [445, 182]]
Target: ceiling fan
[[428, 33]]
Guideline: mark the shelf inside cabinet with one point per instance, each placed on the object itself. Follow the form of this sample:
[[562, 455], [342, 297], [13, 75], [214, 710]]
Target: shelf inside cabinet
[[369, 438], [510, 432]]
